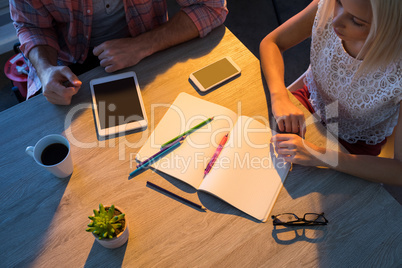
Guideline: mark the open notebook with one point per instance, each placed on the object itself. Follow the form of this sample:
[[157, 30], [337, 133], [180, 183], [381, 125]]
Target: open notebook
[[247, 174]]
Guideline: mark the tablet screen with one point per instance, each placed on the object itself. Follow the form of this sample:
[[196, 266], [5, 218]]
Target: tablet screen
[[117, 102]]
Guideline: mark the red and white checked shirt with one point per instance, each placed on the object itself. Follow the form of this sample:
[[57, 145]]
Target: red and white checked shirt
[[66, 25]]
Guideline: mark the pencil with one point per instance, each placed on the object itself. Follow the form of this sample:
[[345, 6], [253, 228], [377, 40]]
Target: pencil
[[189, 131], [160, 152], [155, 157], [177, 196]]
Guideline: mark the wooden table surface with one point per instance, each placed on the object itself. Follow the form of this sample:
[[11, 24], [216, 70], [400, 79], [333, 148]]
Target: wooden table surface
[[43, 219]]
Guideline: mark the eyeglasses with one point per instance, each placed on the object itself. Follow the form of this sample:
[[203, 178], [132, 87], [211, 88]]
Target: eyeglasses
[[292, 219]]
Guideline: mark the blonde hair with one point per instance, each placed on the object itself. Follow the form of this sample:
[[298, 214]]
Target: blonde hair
[[384, 41]]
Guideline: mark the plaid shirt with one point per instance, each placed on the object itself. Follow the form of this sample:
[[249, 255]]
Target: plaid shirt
[[66, 25]]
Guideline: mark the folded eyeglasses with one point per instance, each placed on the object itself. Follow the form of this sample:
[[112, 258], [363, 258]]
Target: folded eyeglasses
[[291, 219]]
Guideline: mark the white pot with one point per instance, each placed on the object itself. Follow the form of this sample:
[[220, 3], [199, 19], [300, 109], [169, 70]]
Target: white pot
[[117, 241]]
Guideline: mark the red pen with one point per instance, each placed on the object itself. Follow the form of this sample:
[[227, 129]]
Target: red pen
[[216, 154]]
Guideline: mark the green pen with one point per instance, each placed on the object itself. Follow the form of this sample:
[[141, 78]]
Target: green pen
[[188, 131], [156, 157]]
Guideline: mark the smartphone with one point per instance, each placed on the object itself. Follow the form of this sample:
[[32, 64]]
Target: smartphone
[[215, 74], [117, 104]]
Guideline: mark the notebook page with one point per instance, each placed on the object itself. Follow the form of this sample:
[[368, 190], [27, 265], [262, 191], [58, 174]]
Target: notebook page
[[247, 175], [188, 161]]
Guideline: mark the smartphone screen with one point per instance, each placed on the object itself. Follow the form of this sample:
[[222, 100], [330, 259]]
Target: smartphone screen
[[214, 74], [117, 102]]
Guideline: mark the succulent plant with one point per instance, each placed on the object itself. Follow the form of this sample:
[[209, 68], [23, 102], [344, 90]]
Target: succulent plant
[[104, 223]]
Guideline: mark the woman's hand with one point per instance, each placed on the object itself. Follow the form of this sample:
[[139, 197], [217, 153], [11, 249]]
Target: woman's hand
[[289, 117], [296, 150]]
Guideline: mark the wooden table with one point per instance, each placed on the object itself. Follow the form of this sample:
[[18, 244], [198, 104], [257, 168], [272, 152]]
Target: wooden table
[[43, 219]]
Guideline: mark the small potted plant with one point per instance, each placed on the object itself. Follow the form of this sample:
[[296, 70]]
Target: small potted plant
[[109, 226]]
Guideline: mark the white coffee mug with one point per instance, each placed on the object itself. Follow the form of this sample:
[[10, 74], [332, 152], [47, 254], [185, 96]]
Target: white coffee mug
[[62, 168]]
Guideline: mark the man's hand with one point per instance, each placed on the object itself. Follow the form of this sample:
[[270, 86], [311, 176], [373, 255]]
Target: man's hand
[[59, 84], [120, 53], [125, 52]]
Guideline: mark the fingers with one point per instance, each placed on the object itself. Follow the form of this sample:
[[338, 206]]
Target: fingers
[[98, 50], [284, 123], [281, 124], [294, 149], [112, 68], [106, 59], [103, 53], [281, 137], [301, 127], [285, 146], [120, 53], [292, 124], [73, 80], [285, 152], [61, 86], [288, 124], [60, 96]]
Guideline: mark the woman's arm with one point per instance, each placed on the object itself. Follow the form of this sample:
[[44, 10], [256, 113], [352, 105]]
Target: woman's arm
[[372, 168], [377, 169], [289, 34]]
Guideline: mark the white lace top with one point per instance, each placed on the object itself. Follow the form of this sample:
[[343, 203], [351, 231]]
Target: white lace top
[[364, 108]]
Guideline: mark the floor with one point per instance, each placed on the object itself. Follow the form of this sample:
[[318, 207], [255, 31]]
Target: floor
[[250, 23]]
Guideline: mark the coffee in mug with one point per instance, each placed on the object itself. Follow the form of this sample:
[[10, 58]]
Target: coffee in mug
[[53, 153]]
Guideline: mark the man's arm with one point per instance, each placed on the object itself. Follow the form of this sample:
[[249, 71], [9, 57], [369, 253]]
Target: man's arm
[[196, 18], [113, 54], [38, 38], [59, 83]]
